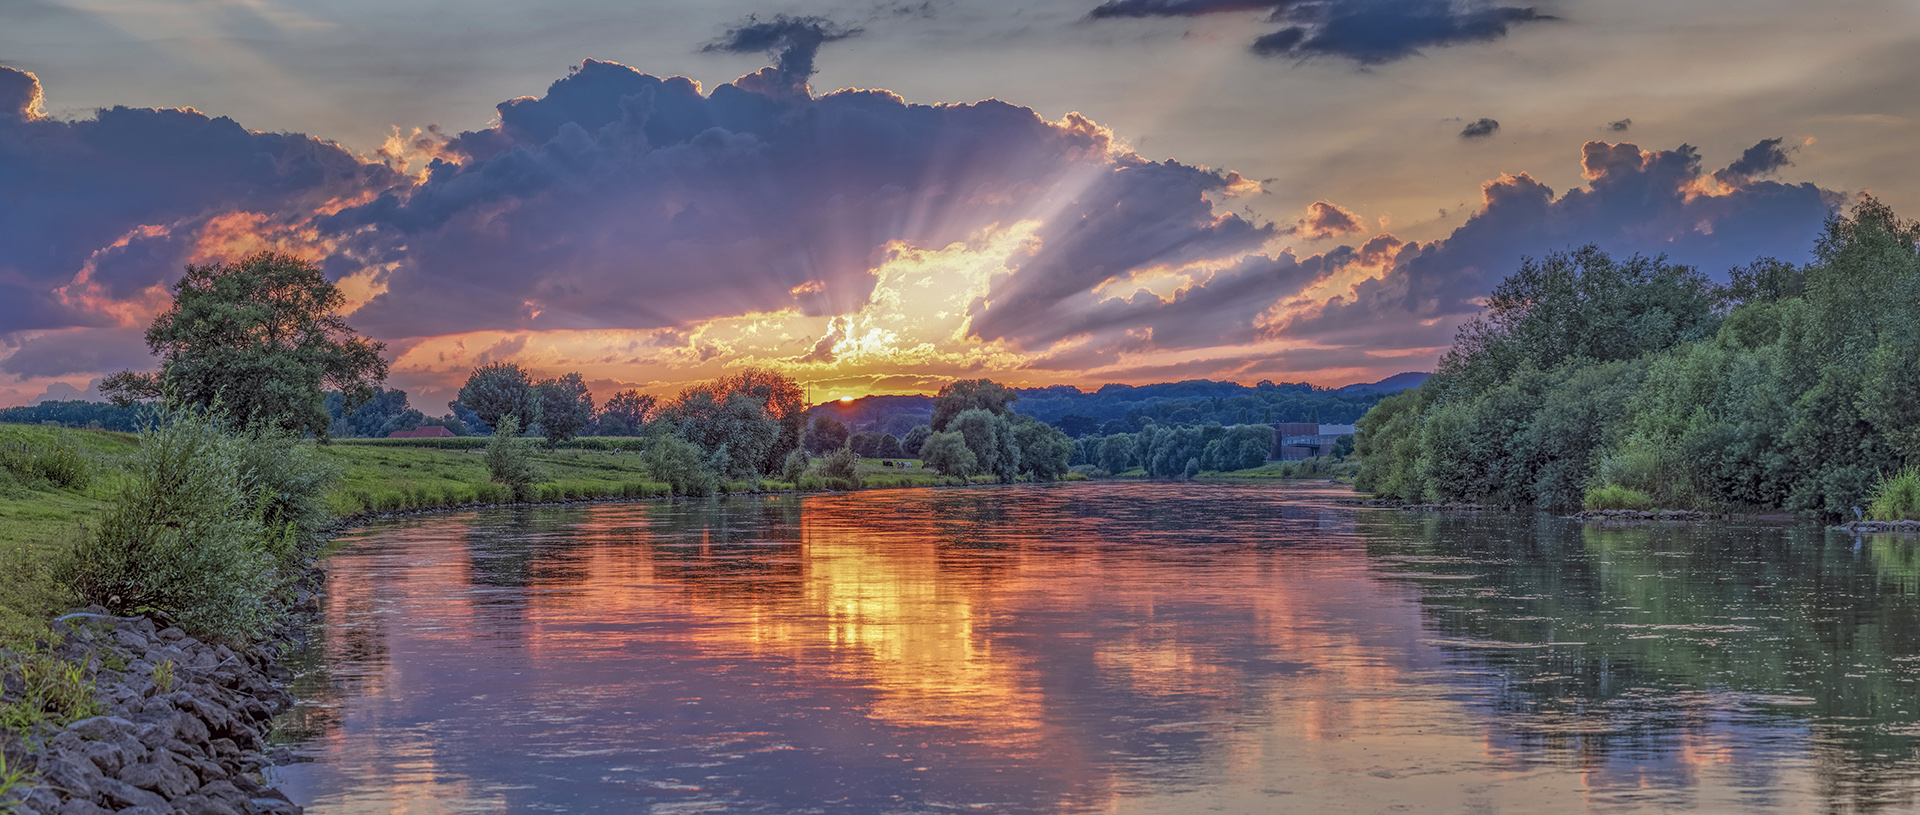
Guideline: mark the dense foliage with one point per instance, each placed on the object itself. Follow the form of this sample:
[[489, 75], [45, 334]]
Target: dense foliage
[[259, 339], [1129, 408], [76, 413], [509, 462], [1794, 387], [207, 529], [566, 408], [498, 390]]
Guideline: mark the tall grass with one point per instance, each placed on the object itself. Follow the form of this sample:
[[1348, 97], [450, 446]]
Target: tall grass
[[59, 462], [1897, 497], [1614, 496]]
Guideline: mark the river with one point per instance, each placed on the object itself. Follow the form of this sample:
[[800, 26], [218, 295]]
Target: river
[[1104, 647]]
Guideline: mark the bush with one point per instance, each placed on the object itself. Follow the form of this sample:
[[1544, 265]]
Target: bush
[[1897, 497], [1614, 496], [947, 454], [180, 540], [286, 485], [679, 463], [510, 460], [796, 465], [841, 469]]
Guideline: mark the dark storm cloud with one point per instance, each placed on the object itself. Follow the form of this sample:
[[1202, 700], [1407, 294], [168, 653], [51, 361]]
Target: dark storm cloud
[[1620, 126], [623, 200], [1370, 32], [1635, 202], [793, 41], [1762, 159], [1178, 8], [128, 189], [1480, 129]]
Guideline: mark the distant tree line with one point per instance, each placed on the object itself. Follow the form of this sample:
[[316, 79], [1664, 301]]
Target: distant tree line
[[1129, 409], [1607, 383]]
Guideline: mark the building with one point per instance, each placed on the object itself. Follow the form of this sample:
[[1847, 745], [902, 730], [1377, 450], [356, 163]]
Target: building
[[1295, 441], [425, 431]]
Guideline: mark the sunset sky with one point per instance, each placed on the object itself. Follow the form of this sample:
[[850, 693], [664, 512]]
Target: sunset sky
[[878, 196]]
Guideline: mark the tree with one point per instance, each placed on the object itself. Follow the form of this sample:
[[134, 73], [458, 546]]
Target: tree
[[782, 400], [947, 454], [565, 407], [733, 431], [625, 413], [990, 437], [260, 339], [385, 413], [1116, 453], [498, 390], [827, 434], [967, 394], [889, 447], [1044, 449], [679, 463], [910, 446], [509, 461], [1075, 425]]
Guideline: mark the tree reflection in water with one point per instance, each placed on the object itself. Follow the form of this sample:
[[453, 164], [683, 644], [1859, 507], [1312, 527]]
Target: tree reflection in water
[[1110, 647]]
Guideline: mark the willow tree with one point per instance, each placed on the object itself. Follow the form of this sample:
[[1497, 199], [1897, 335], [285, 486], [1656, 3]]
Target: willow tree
[[261, 341]]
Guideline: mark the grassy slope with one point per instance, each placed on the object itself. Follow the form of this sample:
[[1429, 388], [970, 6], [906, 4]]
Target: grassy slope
[[37, 519]]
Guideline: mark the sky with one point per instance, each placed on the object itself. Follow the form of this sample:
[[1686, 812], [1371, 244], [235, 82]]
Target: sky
[[877, 197]]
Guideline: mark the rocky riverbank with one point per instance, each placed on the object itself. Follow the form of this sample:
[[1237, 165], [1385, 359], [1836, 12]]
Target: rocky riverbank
[[1859, 527], [182, 725], [1645, 515]]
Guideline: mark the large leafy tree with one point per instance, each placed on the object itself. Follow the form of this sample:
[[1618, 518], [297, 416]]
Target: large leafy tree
[[565, 407], [258, 338], [626, 412], [962, 395], [498, 390]]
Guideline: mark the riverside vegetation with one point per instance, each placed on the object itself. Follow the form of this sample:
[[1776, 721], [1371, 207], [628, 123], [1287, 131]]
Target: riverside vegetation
[[1606, 384]]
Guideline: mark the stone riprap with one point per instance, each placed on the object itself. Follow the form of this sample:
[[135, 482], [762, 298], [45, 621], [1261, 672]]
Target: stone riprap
[[1857, 527], [1645, 515], [184, 729]]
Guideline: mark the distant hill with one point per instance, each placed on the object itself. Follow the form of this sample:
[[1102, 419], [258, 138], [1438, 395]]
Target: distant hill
[[1126, 408], [1392, 384]]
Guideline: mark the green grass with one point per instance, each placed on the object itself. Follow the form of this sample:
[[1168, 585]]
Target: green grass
[[386, 477], [1614, 496], [1897, 497], [39, 517]]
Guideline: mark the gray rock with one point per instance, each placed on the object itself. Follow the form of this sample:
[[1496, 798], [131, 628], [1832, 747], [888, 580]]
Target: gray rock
[[42, 798], [145, 811], [122, 794], [202, 805], [171, 634], [273, 806], [76, 778], [80, 806], [106, 755], [225, 792], [101, 728]]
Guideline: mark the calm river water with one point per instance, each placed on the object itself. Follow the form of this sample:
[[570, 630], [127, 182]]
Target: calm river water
[[1125, 648]]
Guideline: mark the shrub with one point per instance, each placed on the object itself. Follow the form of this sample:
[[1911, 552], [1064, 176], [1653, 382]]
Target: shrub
[[843, 467], [1897, 497], [679, 463], [510, 460], [286, 485], [1614, 496], [796, 465], [947, 454], [180, 540]]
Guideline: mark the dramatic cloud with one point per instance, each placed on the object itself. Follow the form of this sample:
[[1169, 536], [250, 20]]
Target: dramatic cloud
[[1480, 129], [1370, 32], [101, 209], [793, 41], [19, 95], [1326, 220], [623, 200], [1759, 160], [1636, 201]]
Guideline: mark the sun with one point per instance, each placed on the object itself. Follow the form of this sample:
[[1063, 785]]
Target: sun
[[846, 398]]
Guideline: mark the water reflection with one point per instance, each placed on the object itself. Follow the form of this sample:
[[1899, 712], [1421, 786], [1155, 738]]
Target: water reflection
[[1109, 648]]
